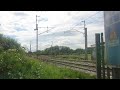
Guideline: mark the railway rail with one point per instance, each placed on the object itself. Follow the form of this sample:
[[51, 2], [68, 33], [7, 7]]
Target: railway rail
[[83, 65], [86, 66]]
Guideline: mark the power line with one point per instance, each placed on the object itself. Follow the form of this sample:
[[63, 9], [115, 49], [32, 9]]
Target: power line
[[75, 25], [92, 15], [85, 33], [51, 29], [94, 19], [84, 19], [79, 31], [46, 30]]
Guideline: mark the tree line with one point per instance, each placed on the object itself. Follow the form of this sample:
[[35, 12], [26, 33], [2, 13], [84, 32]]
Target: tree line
[[62, 50], [7, 43]]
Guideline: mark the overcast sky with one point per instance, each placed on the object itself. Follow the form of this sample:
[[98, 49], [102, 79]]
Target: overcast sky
[[64, 27]]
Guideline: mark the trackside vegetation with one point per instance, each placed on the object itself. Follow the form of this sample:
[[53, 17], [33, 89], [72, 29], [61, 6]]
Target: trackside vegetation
[[15, 64]]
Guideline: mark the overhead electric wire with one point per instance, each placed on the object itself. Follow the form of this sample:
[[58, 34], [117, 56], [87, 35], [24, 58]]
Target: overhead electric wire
[[93, 18], [46, 31], [90, 17], [84, 19], [75, 25]]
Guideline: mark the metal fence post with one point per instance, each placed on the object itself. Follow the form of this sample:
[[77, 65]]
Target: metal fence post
[[102, 56], [108, 72], [98, 55]]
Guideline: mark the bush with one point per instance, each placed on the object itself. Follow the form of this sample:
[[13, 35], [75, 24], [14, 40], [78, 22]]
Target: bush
[[8, 43], [1, 49], [17, 66]]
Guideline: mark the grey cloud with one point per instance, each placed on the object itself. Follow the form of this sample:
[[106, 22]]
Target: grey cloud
[[20, 29], [20, 14]]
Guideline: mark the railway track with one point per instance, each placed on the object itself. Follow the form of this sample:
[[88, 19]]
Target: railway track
[[82, 65], [74, 65]]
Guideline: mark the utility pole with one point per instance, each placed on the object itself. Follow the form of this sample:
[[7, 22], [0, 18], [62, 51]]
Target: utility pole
[[30, 46], [51, 47], [86, 56], [36, 35], [37, 32]]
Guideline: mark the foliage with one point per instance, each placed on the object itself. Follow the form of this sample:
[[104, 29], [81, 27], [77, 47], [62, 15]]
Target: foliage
[[14, 64], [8, 43], [61, 50], [17, 66]]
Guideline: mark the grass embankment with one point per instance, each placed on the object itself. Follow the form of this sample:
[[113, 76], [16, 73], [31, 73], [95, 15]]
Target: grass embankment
[[14, 65], [72, 57]]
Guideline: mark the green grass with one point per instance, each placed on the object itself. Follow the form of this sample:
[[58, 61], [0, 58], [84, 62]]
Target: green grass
[[14, 65], [72, 57]]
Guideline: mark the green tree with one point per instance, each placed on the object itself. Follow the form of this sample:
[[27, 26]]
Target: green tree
[[7, 43]]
